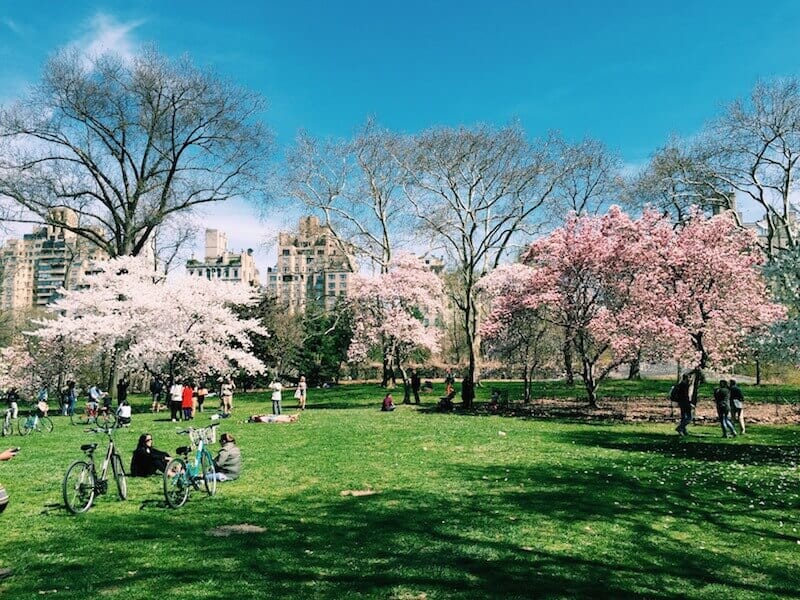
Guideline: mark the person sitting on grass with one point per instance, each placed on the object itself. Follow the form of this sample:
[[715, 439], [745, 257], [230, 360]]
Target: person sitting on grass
[[446, 402], [228, 462], [124, 414], [388, 404], [147, 460], [273, 418]]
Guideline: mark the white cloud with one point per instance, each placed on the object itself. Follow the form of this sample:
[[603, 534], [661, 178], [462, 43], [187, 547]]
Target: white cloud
[[105, 35], [12, 25]]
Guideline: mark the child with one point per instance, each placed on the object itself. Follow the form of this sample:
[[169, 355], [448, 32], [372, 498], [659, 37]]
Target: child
[[388, 404]]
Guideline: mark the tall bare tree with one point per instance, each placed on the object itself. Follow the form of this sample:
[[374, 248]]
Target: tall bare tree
[[476, 190], [127, 145], [356, 185], [679, 177], [754, 148]]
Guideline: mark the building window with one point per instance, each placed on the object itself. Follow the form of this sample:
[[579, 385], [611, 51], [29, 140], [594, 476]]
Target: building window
[[236, 272], [286, 252], [342, 275]]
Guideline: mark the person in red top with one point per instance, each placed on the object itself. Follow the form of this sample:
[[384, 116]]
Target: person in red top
[[187, 401]]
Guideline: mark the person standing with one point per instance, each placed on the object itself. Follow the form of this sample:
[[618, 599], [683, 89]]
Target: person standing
[[276, 387], [737, 405], [449, 380], [467, 390], [156, 389], [12, 402], [415, 385], [302, 391], [70, 399], [681, 396], [122, 390], [722, 400], [187, 401], [226, 396], [202, 392], [175, 400]]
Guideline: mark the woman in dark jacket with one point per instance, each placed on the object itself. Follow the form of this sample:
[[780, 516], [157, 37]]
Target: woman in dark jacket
[[147, 460]]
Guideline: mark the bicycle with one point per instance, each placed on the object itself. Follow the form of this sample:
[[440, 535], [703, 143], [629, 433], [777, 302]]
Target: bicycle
[[103, 417], [181, 475], [35, 422], [82, 482], [8, 422]]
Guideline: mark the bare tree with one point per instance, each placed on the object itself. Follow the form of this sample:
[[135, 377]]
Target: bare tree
[[126, 145], [678, 178], [476, 190], [754, 148], [356, 185]]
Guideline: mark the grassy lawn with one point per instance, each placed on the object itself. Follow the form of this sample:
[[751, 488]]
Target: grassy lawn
[[465, 507]]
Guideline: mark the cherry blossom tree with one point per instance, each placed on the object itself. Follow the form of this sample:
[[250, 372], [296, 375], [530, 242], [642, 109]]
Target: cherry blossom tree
[[514, 331], [186, 326], [15, 369], [396, 310], [588, 276], [711, 292]]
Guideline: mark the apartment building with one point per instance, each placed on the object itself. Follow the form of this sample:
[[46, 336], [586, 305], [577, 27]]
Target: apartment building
[[219, 264]]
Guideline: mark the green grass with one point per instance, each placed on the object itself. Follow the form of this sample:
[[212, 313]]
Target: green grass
[[466, 507]]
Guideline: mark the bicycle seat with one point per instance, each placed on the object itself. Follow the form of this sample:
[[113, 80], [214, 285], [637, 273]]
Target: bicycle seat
[[86, 447], [183, 450]]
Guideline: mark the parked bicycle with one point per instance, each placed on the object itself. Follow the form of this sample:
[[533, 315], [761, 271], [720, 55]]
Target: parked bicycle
[[103, 417], [8, 422], [184, 474], [82, 481], [34, 422]]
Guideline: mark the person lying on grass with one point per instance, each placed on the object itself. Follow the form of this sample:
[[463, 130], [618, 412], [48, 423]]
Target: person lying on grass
[[274, 418], [147, 460]]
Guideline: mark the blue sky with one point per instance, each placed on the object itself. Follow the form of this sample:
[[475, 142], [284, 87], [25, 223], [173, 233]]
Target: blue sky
[[628, 73]]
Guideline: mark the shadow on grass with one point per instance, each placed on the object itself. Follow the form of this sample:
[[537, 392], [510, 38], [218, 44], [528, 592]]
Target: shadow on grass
[[701, 445], [395, 544]]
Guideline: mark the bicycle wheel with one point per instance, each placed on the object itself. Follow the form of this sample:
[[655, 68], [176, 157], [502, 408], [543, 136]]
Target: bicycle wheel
[[25, 425], [119, 476], [8, 427], [208, 473], [45, 424], [79, 487], [176, 483], [106, 419]]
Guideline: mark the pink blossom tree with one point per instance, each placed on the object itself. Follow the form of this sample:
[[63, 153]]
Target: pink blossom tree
[[588, 277], [396, 310], [142, 320], [711, 292], [514, 331]]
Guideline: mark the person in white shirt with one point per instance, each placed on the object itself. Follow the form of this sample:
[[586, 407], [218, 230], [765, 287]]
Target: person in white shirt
[[124, 414], [175, 400], [276, 387]]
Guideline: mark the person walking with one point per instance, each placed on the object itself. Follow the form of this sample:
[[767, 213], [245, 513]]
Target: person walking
[[722, 400], [175, 400], [276, 387], [737, 405], [415, 385], [680, 394], [467, 390]]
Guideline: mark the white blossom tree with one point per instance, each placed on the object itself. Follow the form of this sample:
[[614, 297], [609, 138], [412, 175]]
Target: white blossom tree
[[184, 326]]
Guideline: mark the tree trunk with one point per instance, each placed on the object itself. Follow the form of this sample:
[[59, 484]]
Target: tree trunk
[[566, 351], [526, 383], [758, 372], [590, 383], [635, 368]]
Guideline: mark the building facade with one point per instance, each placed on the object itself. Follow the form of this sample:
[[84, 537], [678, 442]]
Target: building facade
[[222, 265], [313, 267], [37, 266]]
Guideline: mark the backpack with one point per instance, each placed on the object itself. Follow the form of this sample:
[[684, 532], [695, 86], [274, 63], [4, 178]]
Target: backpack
[[673, 393]]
